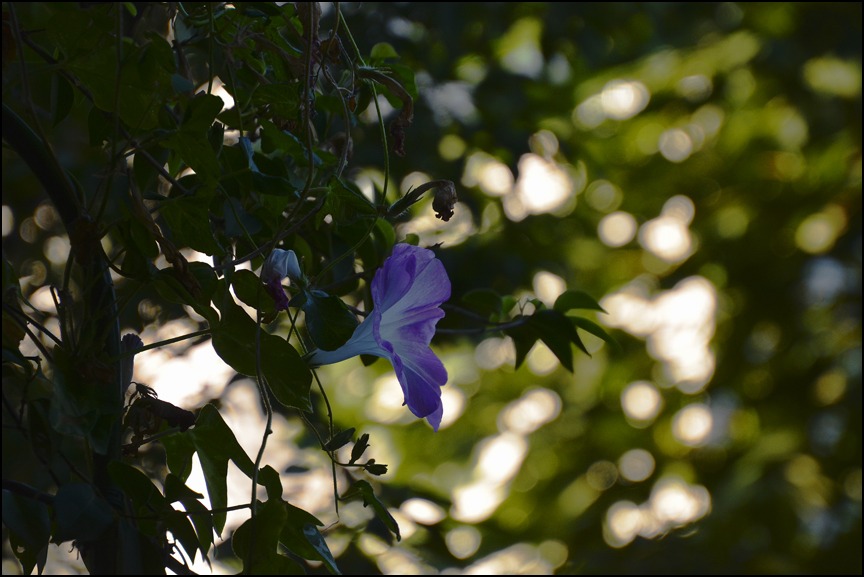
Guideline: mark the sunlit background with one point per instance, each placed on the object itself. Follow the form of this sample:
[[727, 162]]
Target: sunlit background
[[696, 168]]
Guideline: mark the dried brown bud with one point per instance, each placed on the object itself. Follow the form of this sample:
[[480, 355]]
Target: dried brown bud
[[444, 201]]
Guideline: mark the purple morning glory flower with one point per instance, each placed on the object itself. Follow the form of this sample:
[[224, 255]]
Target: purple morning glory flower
[[407, 292]]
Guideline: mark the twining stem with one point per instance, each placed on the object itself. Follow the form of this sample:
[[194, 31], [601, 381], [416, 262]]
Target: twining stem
[[156, 345]]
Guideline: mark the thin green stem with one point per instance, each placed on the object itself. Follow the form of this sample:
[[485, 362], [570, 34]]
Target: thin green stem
[[156, 345]]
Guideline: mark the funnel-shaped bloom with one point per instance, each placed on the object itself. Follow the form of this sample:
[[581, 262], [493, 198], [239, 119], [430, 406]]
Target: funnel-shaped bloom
[[407, 292]]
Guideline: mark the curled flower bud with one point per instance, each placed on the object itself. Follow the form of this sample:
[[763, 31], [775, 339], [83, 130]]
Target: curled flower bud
[[280, 264]]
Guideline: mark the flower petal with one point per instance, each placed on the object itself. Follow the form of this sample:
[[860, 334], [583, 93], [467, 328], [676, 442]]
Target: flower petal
[[362, 342], [411, 277], [279, 264], [421, 377]]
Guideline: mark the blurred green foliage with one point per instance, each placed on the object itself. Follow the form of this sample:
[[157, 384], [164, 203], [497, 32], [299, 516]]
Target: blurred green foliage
[[710, 155]]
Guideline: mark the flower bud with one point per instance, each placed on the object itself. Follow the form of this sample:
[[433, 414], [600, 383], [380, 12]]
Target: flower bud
[[281, 264]]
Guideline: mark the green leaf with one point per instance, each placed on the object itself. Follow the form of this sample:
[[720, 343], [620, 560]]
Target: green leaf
[[301, 536], [191, 141], [249, 289], [237, 222], [364, 490], [281, 365], [189, 221], [524, 336], [216, 445], [201, 112], [179, 449], [200, 516], [284, 102], [383, 51], [176, 490], [169, 287], [196, 152], [147, 500], [573, 299], [359, 448], [259, 554], [137, 486], [553, 328], [339, 440], [328, 320], [26, 555], [594, 329], [385, 232], [80, 514], [316, 539], [557, 332], [268, 477], [181, 527], [29, 524]]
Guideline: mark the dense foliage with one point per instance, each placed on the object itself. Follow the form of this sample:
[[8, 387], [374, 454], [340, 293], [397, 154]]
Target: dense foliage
[[698, 166]]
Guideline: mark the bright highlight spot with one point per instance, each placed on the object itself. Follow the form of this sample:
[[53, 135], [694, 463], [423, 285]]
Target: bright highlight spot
[[624, 99], [619, 100], [57, 249], [501, 456], [636, 465], [818, 232], [541, 360], [519, 49], [463, 541], [476, 502], [423, 511], [519, 559], [673, 503], [530, 412], [668, 236], [8, 221], [834, 76], [617, 229], [495, 352], [451, 147], [601, 475], [604, 196], [498, 459], [696, 87], [675, 145], [678, 325], [548, 287], [641, 402], [492, 176], [623, 522], [542, 187], [692, 425]]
